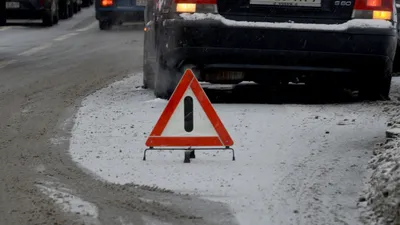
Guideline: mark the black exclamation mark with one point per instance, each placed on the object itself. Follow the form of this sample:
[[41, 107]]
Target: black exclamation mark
[[188, 113]]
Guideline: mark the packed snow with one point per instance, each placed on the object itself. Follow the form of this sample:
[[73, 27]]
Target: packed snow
[[303, 164], [355, 23]]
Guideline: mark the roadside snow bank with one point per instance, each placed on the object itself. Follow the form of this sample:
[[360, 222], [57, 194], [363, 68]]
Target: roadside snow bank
[[356, 23], [383, 196], [295, 164]]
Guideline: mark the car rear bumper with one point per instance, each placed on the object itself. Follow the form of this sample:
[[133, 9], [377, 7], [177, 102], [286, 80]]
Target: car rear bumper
[[28, 9], [125, 14], [212, 44], [25, 13]]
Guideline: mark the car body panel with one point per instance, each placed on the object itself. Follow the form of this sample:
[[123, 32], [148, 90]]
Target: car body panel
[[260, 48]]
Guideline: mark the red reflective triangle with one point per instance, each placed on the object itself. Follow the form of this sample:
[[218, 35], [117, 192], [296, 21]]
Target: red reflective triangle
[[157, 140]]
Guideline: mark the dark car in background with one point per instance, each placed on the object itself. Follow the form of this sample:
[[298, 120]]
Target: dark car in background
[[46, 10], [66, 8], [49, 11], [87, 3], [2, 13], [351, 43], [109, 12]]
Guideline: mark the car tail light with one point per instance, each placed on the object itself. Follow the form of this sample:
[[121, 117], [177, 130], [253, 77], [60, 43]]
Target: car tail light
[[106, 3], [192, 6], [373, 9]]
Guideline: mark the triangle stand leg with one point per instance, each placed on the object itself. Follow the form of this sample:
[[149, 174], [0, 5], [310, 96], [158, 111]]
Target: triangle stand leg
[[187, 156], [189, 152], [192, 155]]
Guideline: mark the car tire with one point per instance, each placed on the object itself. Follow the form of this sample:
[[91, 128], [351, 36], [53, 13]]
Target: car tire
[[3, 20], [63, 11], [70, 9], [377, 87], [48, 16], [105, 25], [85, 3], [56, 16], [396, 61], [75, 7], [165, 82], [148, 73]]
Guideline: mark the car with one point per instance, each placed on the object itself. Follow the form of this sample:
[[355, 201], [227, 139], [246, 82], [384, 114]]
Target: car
[[77, 5], [110, 12], [46, 10], [87, 3], [351, 43], [66, 9], [3, 19]]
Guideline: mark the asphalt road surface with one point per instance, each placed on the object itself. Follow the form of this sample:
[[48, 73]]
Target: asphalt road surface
[[44, 75]]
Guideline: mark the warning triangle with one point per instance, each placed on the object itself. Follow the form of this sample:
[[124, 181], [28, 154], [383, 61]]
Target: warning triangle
[[189, 119]]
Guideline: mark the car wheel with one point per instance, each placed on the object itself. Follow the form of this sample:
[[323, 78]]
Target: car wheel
[[48, 16], [148, 73], [396, 62], [165, 82], [378, 87], [85, 3], [105, 25], [75, 7], [63, 10], [56, 16], [55, 10], [3, 20], [70, 9]]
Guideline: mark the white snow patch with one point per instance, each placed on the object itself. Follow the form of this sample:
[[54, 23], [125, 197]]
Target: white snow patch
[[157, 100], [355, 23], [71, 203], [294, 163]]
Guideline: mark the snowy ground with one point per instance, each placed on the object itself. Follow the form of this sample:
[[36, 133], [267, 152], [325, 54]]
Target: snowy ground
[[295, 163]]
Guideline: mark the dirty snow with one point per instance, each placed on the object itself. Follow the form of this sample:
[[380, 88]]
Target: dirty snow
[[302, 164], [70, 203], [355, 23], [383, 193]]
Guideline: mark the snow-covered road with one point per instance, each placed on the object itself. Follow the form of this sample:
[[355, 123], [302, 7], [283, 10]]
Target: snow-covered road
[[295, 164]]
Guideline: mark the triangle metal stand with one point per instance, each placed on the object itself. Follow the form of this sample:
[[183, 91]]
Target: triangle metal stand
[[189, 152]]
